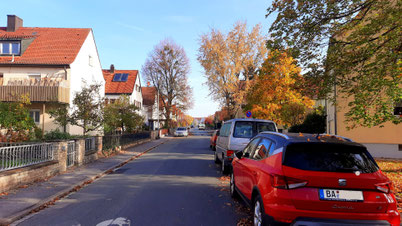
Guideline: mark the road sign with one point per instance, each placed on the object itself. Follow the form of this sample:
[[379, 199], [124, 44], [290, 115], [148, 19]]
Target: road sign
[[248, 114]]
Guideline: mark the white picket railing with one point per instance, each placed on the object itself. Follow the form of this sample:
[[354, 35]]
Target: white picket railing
[[25, 155]]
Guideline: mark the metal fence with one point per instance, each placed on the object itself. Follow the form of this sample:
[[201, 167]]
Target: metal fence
[[71, 154], [11, 144], [90, 144], [13, 157], [111, 141]]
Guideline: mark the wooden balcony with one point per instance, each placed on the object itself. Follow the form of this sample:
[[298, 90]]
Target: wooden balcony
[[38, 92]]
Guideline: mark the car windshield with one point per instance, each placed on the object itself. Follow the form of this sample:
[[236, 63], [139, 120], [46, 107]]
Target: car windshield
[[181, 129], [246, 129], [329, 158]]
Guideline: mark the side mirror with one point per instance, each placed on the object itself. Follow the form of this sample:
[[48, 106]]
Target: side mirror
[[239, 154]]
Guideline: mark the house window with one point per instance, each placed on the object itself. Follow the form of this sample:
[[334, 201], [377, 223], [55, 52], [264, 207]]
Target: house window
[[398, 109], [90, 60], [34, 76], [10, 48], [35, 115]]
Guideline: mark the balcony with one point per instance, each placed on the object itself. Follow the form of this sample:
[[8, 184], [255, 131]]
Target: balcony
[[44, 90]]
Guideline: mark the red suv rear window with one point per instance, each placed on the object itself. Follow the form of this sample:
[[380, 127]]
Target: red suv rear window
[[329, 158]]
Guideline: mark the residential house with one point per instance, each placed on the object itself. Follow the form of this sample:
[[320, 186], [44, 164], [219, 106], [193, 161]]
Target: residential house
[[149, 95], [48, 64], [150, 108], [123, 82], [384, 141]]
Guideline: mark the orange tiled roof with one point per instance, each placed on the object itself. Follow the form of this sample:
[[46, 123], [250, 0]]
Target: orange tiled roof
[[119, 87], [50, 46], [148, 95]]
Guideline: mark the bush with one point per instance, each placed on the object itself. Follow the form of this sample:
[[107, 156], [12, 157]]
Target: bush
[[57, 135], [315, 122]]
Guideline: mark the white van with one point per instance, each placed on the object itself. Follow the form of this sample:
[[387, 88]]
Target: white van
[[201, 126], [235, 134]]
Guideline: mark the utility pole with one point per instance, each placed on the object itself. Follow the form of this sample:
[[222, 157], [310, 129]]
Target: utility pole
[[159, 126]]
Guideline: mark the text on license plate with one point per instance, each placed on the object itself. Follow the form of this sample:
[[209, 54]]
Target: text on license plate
[[340, 195]]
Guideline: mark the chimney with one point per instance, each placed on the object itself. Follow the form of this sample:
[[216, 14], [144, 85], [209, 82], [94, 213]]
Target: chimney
[[111, 68], [13, 23]]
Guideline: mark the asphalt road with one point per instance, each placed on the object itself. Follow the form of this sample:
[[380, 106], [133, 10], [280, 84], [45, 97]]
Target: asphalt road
[[174, 184]]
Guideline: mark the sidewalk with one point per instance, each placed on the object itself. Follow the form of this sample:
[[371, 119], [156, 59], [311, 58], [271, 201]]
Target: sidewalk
[[19, 203]]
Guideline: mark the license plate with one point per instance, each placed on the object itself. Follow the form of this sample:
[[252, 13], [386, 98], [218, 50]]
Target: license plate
[[341, 195]]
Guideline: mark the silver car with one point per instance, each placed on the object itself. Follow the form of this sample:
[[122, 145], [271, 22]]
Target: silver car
[[181, 132], [235, 134]]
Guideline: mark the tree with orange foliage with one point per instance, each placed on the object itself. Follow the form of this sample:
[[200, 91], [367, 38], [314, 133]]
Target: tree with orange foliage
[[209, 120], [276, 94], [230, 60]]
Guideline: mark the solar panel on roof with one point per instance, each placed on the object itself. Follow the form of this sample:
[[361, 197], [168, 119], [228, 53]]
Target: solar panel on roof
[[117, 77], [124, 77]]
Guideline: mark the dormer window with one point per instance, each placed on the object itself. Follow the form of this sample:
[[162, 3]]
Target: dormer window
[[10, 48]]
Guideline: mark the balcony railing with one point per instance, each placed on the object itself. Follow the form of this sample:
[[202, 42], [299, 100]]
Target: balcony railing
[[45, 90]]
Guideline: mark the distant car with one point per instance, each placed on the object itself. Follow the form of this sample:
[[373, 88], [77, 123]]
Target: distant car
[[214, 136], [181, 132], [234, 135], [305, 179], [201, 126]]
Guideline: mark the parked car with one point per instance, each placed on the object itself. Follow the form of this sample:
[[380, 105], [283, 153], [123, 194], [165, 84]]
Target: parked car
[[181, 132], [234, 135], [304, 179], [214, 136]]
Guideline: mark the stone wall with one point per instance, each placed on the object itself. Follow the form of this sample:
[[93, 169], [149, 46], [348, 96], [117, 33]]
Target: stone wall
[[14, 178], [11, 179]]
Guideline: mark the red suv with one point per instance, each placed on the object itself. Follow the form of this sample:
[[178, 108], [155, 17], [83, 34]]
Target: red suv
[[305, 179]]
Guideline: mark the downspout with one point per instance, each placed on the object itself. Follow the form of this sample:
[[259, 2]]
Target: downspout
[[65, 77], [335, 112]]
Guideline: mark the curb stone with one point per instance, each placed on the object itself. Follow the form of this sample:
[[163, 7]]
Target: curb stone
[[73, 188]]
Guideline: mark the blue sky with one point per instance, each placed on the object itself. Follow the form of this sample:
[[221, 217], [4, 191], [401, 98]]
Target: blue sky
[[126, 31]]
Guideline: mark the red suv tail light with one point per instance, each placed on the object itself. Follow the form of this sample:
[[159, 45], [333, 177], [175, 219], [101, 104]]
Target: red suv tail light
[[283, 182], [386, 187]]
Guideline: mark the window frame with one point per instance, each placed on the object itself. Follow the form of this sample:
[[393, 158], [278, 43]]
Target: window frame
[[257, 139], [225, 132], [243, 122], [10, 42], [267, 154], [35, 111], [397, 106], [36, 76]]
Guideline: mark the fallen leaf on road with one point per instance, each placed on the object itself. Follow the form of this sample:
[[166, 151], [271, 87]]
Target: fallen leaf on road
[[245, 222]]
